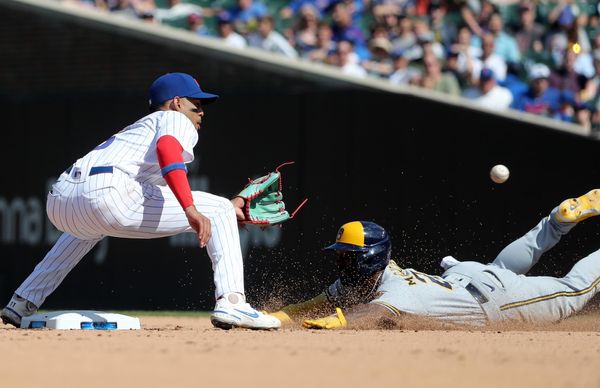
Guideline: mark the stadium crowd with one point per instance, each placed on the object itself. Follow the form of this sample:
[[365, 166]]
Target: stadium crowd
[[536, 56]]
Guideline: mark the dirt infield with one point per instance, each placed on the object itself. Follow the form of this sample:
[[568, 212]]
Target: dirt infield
[[188, 352]]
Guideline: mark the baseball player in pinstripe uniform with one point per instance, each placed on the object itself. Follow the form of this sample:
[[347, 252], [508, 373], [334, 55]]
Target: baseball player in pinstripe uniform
[[372, 289], [134, 185]]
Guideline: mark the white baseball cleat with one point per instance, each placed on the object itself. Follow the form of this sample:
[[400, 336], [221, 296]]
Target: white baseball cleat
[[578, 209], [227, 315], [16, 309]]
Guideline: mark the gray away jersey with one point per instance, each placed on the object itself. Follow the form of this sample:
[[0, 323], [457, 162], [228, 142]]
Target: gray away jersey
[[413, 292]]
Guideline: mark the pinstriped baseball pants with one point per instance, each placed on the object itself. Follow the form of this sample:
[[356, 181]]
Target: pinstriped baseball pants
[[89, 208]]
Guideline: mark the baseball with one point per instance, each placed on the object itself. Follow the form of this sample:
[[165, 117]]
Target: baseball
[[499, 173]]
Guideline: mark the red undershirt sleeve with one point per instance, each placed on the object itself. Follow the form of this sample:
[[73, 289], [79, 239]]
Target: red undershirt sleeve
[[173, 170]]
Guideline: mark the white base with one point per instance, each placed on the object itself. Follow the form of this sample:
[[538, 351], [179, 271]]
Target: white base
[[80, 320]]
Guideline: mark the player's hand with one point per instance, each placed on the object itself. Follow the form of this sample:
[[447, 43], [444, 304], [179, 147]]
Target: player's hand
[[200, 224], [238, 205], [335, 321]]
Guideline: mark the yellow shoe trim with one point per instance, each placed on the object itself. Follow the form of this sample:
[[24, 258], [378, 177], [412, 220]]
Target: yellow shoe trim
[[580, 208]]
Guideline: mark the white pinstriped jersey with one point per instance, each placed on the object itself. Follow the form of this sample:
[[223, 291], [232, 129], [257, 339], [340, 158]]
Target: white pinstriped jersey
[[132, 200], [133, 150]]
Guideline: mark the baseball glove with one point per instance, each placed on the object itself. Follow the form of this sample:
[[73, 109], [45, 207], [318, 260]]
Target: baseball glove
[[263, 200]]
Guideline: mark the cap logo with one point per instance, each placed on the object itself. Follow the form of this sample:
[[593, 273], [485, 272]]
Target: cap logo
[[340, 233], [352, 233]]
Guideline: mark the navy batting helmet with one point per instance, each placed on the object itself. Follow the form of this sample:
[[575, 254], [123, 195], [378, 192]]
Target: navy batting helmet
[[368, 247]]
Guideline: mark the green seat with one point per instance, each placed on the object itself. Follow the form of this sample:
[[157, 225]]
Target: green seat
[[181, 22]]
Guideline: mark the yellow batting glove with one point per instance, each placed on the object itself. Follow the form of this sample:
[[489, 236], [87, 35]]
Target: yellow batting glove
[[282, 316], [335, 321]]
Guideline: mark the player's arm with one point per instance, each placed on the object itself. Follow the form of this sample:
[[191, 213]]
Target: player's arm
[[170, 159], [296, 313]]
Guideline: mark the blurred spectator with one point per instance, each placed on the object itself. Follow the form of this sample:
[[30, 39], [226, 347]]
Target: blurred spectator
[[582, 47], [354, 7], [557, 44], [325, 44], [433, 78], [583, 116], [588, 90], [270, 40], [540, 98], [403, 73], [100, 4], [513, 80], [466, 52], [196, 24], [565, 77], [573, 111], [528, 31], [580, 35], [344, 29], [563, 15], [489, 59], [488, 93], [305, 29], [596, 47], [388, 19], [406, 37], [245, 15], [425, 42], [469, 11], [443, 31], [345, 58], [566, 107], [386, 38], [487, 9], [177, 10], [225, 31], [294, 7], [379, 63], [123, 8], [504, 45], [396, 7], [145, 10], [589, 94], [452, 65]]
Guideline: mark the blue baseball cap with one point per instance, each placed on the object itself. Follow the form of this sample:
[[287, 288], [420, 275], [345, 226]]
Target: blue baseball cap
[[173, 85], [486, 74]]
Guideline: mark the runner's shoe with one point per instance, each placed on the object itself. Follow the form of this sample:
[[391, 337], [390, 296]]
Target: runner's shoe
[[578, 209], [16, 309], [227, 315]]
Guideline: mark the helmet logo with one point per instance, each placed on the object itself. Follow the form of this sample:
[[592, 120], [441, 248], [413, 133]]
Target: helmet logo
[[340, 233]]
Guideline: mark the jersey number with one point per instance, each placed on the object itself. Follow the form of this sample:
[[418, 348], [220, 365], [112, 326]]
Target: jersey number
[[424, 278]]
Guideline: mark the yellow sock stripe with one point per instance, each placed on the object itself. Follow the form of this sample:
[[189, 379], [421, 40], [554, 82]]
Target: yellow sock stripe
[[394, 310], [551, 296]]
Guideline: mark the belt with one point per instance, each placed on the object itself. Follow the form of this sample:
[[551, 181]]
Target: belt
[[95, 170], [475, 293], [101, 170]]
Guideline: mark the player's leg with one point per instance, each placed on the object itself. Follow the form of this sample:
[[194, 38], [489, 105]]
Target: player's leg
[[153, 211], [549, 299], [522, 254], [46, 277]]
